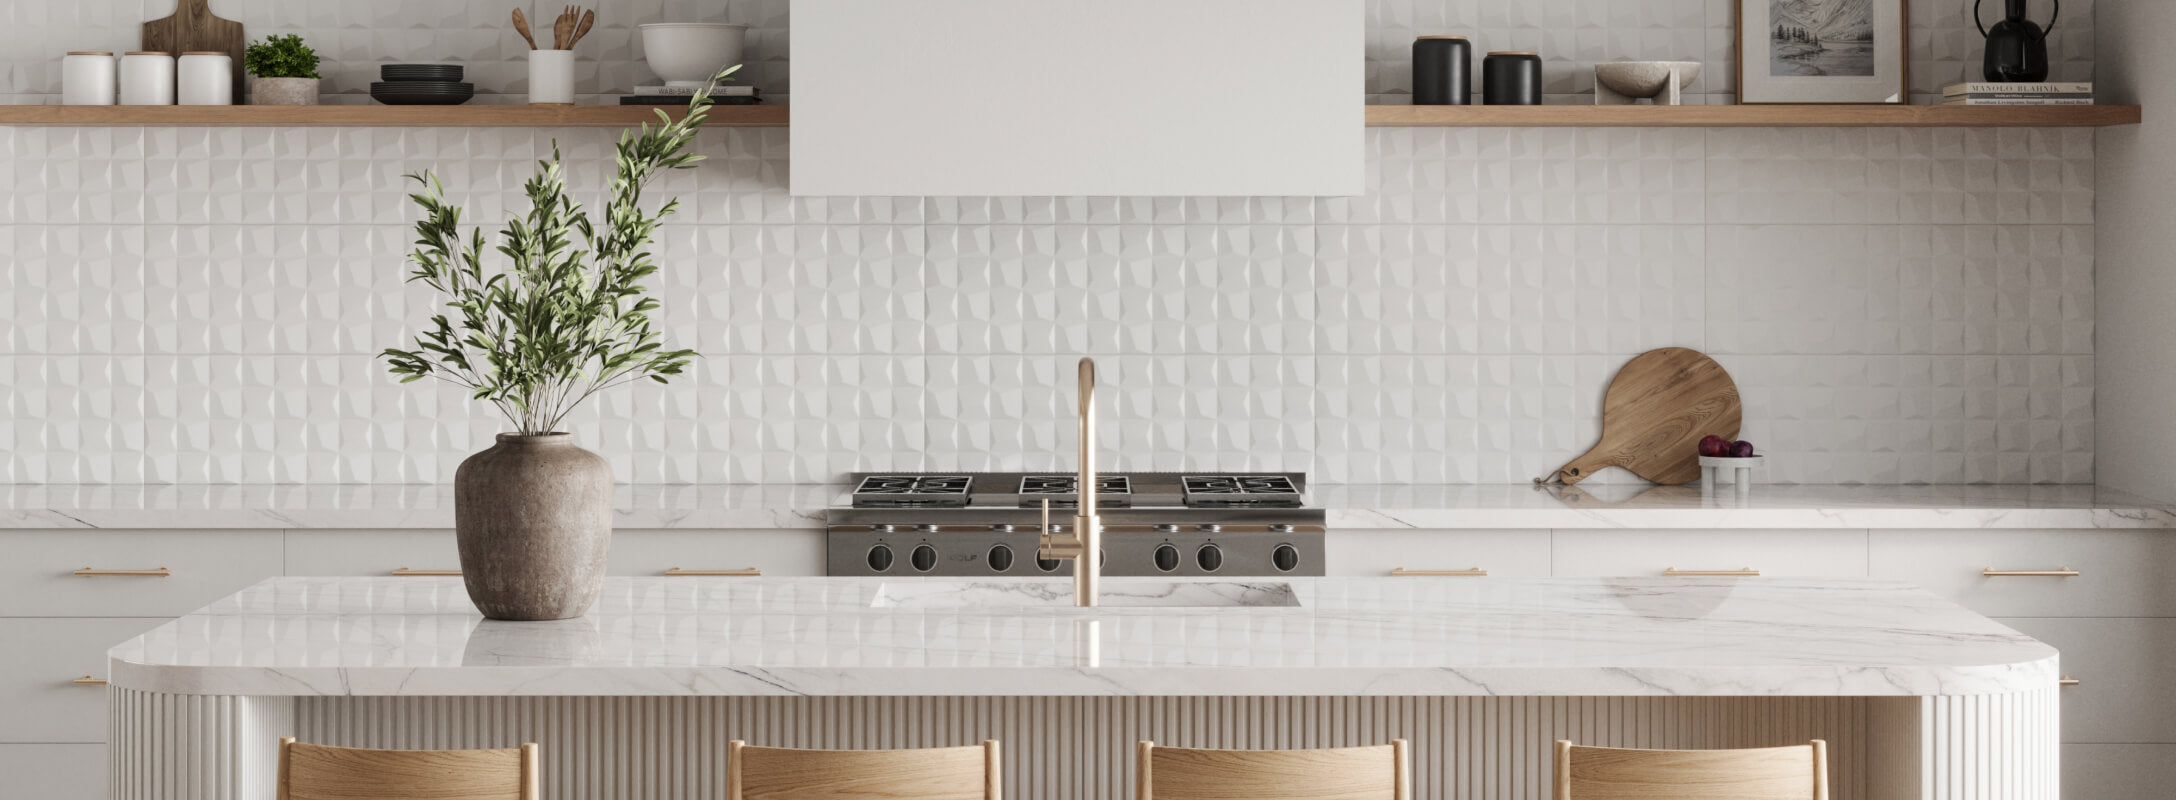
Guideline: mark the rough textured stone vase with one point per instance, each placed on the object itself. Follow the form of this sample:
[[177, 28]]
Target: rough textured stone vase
[[533, 516], [283, 91]]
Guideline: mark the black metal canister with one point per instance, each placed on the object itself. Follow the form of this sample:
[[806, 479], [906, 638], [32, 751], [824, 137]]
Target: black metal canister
[[1442, 71], [1511, 78]]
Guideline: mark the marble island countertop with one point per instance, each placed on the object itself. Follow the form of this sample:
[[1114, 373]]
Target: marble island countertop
[[1352, 508], [856, 636]]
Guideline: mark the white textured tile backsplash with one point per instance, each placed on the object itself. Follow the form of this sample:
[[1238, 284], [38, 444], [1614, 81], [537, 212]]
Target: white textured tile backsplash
[[205, 305]]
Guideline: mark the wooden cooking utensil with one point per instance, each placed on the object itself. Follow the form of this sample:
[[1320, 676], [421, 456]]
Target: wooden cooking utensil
[[193, 29], [562, 28], [588, 18], [521, 23], [1657, 410]]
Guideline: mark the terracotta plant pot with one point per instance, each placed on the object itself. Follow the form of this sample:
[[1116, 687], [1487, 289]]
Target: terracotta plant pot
[[282, 91], [533, 517]]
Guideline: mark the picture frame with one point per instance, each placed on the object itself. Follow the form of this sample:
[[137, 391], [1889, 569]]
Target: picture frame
[[1823, 51]]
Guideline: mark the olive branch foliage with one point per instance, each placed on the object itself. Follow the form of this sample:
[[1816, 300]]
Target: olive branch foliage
[[568, 315]]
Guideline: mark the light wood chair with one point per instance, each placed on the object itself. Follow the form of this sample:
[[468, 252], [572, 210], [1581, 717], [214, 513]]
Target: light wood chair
[[1347, 773], [319, 772], [941, 773], [1799, 772]]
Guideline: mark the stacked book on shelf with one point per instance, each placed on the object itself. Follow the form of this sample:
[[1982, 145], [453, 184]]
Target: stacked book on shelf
[[2017, 94], [678, 96]]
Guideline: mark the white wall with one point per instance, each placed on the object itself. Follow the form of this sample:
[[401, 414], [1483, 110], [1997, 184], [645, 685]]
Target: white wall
[[2137, 273], [203, 305]]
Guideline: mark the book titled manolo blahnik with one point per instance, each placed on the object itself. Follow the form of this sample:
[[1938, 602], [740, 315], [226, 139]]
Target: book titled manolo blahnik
[[2033, 89]]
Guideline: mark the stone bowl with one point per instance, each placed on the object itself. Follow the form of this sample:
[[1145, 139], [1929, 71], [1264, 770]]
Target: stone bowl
[[691, 53], [1645, 79]]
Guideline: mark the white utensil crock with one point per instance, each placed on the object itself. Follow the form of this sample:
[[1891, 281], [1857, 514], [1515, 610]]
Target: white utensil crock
[[551, 77]]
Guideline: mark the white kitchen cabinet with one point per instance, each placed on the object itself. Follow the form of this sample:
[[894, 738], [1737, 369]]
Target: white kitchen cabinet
[[776, 553], [1504, 554], [366, 553], [2126, 670], [38, 663], [53, 771], [37, 571], [1775, 554], [2121, 573], [1078, 97]]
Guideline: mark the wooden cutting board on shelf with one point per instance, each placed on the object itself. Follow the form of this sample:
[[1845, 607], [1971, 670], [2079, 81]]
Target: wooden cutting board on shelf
[[194, 29], [1657, 410]]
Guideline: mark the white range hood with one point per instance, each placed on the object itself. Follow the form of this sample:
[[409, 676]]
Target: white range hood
[[1078, 97]]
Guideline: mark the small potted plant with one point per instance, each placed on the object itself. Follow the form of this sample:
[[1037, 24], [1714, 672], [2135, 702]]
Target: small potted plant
[[285, 72], [567, 316]]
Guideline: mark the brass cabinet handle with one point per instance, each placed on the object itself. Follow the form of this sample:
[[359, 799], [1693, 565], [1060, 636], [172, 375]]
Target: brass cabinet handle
[[677, 572], [93, 572], [405, 572], [1674, 572], [89, 680], [1402, 572], [2068, 681], [2059, 572]]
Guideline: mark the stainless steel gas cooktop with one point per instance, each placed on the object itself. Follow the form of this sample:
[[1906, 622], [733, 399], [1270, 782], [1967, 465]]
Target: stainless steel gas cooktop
[[1231, 525]]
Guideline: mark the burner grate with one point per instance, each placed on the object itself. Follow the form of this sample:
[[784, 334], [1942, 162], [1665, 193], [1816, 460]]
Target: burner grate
[[1068, 484], [1239, 484], [912, 491], [914, 484]]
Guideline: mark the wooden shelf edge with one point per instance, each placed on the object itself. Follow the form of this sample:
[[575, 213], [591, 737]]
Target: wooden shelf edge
[[1762, 116], [1377, 116], [376, 116]]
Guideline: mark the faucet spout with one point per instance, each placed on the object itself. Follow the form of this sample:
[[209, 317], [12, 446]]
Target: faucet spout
[[1084, 545]]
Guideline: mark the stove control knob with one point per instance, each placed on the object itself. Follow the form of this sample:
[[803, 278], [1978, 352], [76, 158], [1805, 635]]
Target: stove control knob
[[925, 528], [1210, 557], [1280, 528], [1167, 528], [1001, 557], [880, 558], [1285, 557], [924, 558], [1001, 529], [1047, 564], [1209, 528], [1167, 557]]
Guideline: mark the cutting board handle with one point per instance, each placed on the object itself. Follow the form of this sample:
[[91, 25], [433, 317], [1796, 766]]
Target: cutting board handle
[[1579, 469]]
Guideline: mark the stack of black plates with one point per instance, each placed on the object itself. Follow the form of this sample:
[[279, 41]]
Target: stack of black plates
[[421, 85]]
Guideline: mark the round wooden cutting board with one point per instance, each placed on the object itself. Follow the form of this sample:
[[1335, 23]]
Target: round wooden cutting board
[[1657, 410]]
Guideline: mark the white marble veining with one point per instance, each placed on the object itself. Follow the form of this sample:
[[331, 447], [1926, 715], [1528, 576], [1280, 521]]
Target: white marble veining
[[1356, 508], [1347, 637]]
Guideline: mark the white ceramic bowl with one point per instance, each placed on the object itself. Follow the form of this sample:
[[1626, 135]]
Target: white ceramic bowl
[[1645, 78], [691, 53]]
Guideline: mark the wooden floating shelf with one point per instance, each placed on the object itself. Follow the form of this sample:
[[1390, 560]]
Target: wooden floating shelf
[[377, 116], [363, 116], [1836, 116]]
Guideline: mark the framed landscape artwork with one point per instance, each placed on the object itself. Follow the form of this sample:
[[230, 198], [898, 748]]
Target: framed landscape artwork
[[1822, 51]]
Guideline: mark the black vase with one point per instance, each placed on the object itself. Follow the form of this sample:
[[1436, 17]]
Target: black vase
[[2017, 49], [1442, 71], [1511, 79]]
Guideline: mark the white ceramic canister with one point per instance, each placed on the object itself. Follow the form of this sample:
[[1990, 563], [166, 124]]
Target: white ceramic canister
[[87, 78], [206, 79], [147, 79], [551, 77]]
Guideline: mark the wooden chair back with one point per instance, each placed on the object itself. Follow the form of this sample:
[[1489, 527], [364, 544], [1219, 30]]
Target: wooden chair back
[[318, 772], [1346, 773], [942, 773], [1799, 772]]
